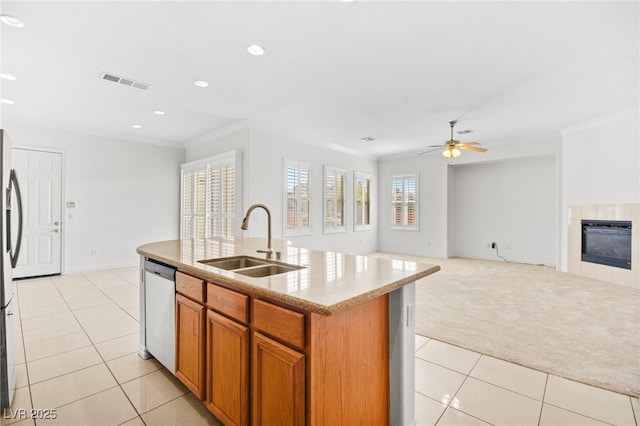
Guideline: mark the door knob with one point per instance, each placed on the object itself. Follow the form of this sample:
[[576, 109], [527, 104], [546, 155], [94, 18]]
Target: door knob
[[56, 223], [56, 230]]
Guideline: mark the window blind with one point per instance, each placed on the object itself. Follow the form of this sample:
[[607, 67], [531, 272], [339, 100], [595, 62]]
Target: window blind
[[298, 198], [334, 193], [404, 201], [362, 212], [208, 198]]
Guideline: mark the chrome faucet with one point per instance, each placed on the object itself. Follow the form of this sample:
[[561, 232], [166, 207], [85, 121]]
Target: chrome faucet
[[245, 225]]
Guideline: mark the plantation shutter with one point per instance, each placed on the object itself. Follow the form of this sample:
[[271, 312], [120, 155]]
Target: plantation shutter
[[298, 198], [404, 201], [362, 214], [334, 181], [208, 198]]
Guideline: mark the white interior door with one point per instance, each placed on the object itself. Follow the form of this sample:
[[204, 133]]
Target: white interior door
[[40, 176]]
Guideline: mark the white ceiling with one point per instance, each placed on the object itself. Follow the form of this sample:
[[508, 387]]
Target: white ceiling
[[334, 71]]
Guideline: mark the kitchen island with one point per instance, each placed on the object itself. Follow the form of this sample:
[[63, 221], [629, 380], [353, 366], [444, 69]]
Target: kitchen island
[[330, 341]]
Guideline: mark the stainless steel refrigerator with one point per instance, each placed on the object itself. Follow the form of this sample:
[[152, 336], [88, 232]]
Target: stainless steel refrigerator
[[11, 237]]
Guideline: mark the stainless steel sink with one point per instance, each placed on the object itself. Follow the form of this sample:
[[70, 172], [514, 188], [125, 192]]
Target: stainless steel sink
[[251, 266], [231, 263], [268, 270]]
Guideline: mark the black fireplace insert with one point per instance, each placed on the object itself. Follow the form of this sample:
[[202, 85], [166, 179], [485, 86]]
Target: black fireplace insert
[[607, 242]]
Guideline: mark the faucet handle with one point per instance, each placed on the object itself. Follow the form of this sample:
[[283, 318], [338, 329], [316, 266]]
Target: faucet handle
[[268, 252]]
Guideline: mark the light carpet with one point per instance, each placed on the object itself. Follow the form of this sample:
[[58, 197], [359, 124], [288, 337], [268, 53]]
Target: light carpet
[[574, 327]]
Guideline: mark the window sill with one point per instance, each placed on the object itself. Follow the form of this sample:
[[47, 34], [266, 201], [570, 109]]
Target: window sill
[[406, 229], [335, 231]]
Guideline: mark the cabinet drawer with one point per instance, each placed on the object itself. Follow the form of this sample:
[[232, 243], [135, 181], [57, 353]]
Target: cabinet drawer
[[279, 322], [228, 302], [189, 286]]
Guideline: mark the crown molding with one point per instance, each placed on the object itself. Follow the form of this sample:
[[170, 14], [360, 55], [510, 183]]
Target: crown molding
[[87, 130], [218, 133], [608, 118], [253, 125]]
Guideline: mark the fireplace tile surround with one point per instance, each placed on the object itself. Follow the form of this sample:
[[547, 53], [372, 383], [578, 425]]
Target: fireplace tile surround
[[578, 212]]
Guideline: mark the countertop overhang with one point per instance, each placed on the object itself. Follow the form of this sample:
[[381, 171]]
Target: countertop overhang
[[330, 282]]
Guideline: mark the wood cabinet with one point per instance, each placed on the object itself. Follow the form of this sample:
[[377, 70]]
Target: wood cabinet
[[348, 374], [259, 362], [278, 383], [190, 334], [227, 376]]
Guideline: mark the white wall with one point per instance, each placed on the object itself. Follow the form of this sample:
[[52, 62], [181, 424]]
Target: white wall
[[431, 237], [601, 161], [511, 202], [217, 145], [126, 194], [263, 162], [439, 234], [600, 165]]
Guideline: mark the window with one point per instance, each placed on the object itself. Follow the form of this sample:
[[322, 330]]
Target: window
[[362, 201], [404, 201], [208, 198], [298, 199], [334, 182]]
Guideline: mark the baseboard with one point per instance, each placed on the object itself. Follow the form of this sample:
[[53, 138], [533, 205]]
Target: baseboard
[[101, 268]]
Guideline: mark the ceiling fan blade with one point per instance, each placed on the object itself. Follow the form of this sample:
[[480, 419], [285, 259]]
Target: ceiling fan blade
[[431, 150], [472, 148], [471, 143], [436, 146]]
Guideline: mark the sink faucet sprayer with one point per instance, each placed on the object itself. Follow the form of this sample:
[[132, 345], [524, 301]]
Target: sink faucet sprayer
[[245, 225]]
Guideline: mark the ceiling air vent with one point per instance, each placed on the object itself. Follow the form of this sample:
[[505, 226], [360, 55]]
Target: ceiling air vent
[[464, 132], [125, 81]]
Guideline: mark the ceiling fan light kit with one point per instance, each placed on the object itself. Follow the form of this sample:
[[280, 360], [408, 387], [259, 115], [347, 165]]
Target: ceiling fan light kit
[[451, 152]]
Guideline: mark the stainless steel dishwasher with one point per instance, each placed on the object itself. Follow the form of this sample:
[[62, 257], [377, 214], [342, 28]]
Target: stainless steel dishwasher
[[160, 312]]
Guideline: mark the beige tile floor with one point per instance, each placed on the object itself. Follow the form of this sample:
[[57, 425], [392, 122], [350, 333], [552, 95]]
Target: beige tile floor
[[77, 358]]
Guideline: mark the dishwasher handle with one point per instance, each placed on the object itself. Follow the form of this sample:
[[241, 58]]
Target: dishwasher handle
[[162, 270]]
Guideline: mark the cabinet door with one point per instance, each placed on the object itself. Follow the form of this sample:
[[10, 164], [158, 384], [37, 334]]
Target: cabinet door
[[227, 377], [278, 374], [190, 344]]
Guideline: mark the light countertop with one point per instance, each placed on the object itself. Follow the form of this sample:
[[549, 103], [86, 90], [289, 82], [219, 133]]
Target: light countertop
[[329, 282]]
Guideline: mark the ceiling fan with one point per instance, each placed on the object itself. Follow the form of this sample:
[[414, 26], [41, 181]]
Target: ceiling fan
[[452, 147]]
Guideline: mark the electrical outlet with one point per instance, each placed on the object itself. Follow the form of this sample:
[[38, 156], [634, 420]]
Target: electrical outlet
[[94, 252]]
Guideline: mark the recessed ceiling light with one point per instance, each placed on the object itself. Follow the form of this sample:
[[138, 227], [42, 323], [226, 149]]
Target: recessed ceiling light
[[158, 112], [11, 21], [256, 50], [8, 77], [201, 83], [136, 126], [7, 101]]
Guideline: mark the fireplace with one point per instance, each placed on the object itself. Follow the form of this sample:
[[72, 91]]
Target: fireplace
[[607, 242]]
